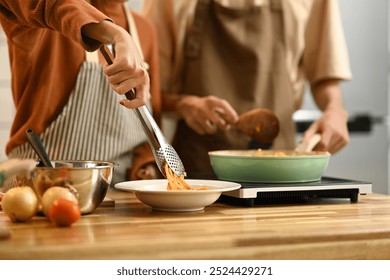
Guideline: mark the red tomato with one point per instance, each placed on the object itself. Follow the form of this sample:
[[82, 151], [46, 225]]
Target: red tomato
[[64, 212]]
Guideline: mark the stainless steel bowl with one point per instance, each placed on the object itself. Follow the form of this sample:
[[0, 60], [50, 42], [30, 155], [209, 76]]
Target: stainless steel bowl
[[90, 180]]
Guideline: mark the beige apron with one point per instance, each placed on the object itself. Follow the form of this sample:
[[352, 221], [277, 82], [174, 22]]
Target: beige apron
[[237, 54], [92, 125]]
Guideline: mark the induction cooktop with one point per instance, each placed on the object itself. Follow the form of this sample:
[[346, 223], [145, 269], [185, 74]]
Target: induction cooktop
[[327, 187]]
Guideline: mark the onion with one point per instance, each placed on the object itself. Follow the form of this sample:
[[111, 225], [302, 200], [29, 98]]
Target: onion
[[53, 193], [20, 204]]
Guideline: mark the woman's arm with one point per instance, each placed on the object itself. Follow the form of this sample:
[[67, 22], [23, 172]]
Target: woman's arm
[[127, 71], [80, 21]]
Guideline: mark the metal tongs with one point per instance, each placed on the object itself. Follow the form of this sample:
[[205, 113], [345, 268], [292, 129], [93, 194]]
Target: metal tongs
[[163, 152]]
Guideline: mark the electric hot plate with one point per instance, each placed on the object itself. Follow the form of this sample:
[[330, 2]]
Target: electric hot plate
[[327, 187]]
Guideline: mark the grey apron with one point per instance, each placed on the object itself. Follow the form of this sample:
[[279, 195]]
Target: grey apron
[[92, 125], [238, 55]]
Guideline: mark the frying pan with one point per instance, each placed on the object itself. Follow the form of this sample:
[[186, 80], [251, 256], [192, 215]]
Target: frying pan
[[270, 166]]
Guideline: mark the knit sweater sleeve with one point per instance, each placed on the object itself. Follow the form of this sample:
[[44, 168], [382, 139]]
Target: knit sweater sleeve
[[64, 16], [143, 155]]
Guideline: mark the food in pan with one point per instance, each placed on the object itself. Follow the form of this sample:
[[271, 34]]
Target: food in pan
[[260, 152]]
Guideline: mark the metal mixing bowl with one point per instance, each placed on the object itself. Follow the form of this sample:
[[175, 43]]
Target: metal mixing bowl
[[90, 180]]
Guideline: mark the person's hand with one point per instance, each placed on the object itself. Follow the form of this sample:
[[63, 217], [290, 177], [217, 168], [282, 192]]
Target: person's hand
[[149, 171], [333, 129], [207, 114], [13, 167], [127, 71]]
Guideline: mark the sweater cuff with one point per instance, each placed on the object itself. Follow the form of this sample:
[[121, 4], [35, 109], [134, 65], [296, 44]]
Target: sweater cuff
[[143, 155]]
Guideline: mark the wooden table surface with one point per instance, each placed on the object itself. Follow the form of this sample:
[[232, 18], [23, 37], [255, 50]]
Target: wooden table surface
[[320, 229]]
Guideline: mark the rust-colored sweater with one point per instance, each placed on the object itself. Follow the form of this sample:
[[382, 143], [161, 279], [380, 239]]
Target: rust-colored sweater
[[46, 51]]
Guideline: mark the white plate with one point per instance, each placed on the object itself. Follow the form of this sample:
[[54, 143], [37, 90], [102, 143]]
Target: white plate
[[155, 194]]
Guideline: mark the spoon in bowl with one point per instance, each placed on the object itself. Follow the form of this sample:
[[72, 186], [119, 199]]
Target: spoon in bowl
[[37, 145]]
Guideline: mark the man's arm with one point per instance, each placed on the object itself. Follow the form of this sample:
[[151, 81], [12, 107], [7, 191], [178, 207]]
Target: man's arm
[[332, 125]]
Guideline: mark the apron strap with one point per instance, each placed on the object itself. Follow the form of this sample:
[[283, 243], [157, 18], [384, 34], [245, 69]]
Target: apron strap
[[134, 34], [133, 30], [194, 38]]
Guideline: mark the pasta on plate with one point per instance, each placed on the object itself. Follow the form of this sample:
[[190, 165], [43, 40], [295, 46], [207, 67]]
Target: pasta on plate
[[176, 182]]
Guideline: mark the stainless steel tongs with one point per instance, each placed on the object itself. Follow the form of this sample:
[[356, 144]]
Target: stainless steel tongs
[[163, 152]]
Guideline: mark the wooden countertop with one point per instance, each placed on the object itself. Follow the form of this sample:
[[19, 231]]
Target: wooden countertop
[[321, 229]]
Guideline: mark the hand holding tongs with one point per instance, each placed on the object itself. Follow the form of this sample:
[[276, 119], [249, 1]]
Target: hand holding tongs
[[163, 152]]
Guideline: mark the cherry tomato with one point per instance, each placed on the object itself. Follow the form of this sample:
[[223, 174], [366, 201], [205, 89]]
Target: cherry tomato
[[64, 212]]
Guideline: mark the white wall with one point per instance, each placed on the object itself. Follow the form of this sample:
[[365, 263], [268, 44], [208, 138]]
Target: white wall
[[136, 4]]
